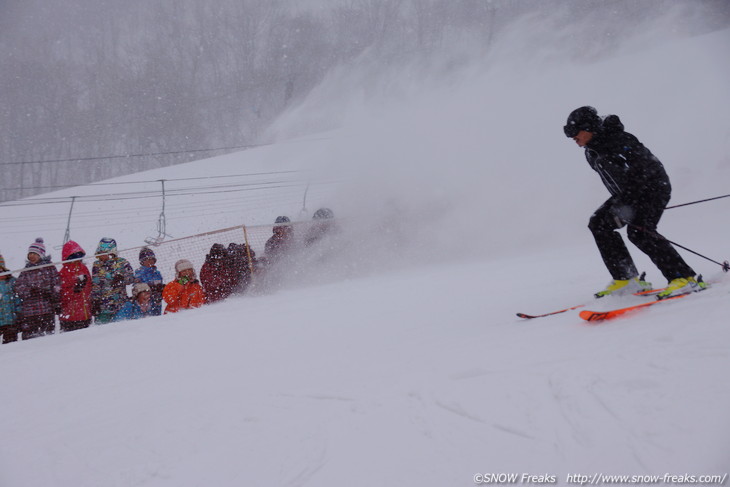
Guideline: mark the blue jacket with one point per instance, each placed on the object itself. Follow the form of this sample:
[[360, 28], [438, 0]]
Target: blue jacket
[[132, 311], [148, 275], [151, 276], [9, 302]]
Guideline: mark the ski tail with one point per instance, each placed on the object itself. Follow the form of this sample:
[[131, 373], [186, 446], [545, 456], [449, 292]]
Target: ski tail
[[530, 317], [649, 292]]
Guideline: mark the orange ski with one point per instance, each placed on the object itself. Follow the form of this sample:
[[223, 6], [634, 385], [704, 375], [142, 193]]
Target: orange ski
[[530, 317], [649, 292], [607, 315]]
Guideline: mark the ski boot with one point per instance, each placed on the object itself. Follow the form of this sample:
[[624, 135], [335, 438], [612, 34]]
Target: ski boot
[[682, 285], [620, 287]]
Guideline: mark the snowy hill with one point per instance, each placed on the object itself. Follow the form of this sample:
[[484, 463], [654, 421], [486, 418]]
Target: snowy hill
[[414, 370]]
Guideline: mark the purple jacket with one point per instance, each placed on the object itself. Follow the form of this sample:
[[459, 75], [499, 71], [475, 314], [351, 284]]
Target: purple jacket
[[38, 289]]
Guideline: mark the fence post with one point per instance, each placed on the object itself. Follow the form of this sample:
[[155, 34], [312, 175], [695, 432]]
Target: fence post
[[248, 252]]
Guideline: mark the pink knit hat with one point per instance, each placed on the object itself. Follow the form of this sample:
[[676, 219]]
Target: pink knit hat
[[37, 247]]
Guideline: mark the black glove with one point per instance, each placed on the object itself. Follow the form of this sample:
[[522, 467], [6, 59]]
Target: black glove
[[117, 280], [80, 283], [623, 214]]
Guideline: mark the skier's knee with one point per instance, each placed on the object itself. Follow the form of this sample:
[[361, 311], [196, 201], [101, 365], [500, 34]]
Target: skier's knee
[[597, 224], [637, 237]]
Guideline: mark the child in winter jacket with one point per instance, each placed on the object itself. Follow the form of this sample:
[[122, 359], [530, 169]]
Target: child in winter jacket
[[241, 260], [216, 275], [148, 274], [185, 291], [75, 289], [110, 275], [323, 224], [38, 286], [279, 249], [9, 305], [140, 306], [281, 242]]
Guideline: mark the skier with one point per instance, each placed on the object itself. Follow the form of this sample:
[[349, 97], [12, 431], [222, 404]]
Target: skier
[[640, 190]]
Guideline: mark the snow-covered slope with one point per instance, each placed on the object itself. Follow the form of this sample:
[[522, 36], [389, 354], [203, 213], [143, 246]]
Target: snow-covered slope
[[418, 378], [418, 374]]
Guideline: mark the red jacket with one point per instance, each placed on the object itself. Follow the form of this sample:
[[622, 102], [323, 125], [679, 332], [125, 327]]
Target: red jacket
[[217, 280], [75, 286]]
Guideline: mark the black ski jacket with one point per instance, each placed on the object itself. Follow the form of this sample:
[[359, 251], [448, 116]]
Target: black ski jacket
[[630, 172]]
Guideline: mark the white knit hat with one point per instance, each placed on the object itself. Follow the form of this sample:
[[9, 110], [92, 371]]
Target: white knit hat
[[140, 287], [183, 264]]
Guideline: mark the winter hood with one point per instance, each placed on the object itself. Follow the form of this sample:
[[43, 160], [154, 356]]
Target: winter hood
[[70, 248]]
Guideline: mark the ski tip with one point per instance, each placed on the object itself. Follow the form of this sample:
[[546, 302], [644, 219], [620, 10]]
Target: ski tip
[[593, 315]]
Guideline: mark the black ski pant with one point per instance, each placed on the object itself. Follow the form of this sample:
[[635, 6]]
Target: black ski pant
[[642, 232], [35, 326], [9, 333], [74, 325]]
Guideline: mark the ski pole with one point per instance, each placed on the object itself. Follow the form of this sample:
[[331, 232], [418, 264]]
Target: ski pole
[[699, 201], [725, 265]]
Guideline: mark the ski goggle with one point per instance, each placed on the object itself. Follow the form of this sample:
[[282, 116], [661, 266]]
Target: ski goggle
[[571, 130]]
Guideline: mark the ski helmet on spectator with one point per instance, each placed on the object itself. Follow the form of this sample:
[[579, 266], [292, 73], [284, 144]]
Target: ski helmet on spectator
[[323, 214], [282, 219], [107, 246], [583, 118]]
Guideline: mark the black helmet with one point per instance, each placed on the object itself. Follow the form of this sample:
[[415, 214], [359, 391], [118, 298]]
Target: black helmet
[[323, 214], [583, 118], [282, 219]]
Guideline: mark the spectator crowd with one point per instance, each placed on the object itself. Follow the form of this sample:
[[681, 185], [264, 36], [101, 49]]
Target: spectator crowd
[[76, 297]]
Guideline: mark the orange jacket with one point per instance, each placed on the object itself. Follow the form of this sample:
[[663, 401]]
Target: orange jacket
[[182, 296]]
